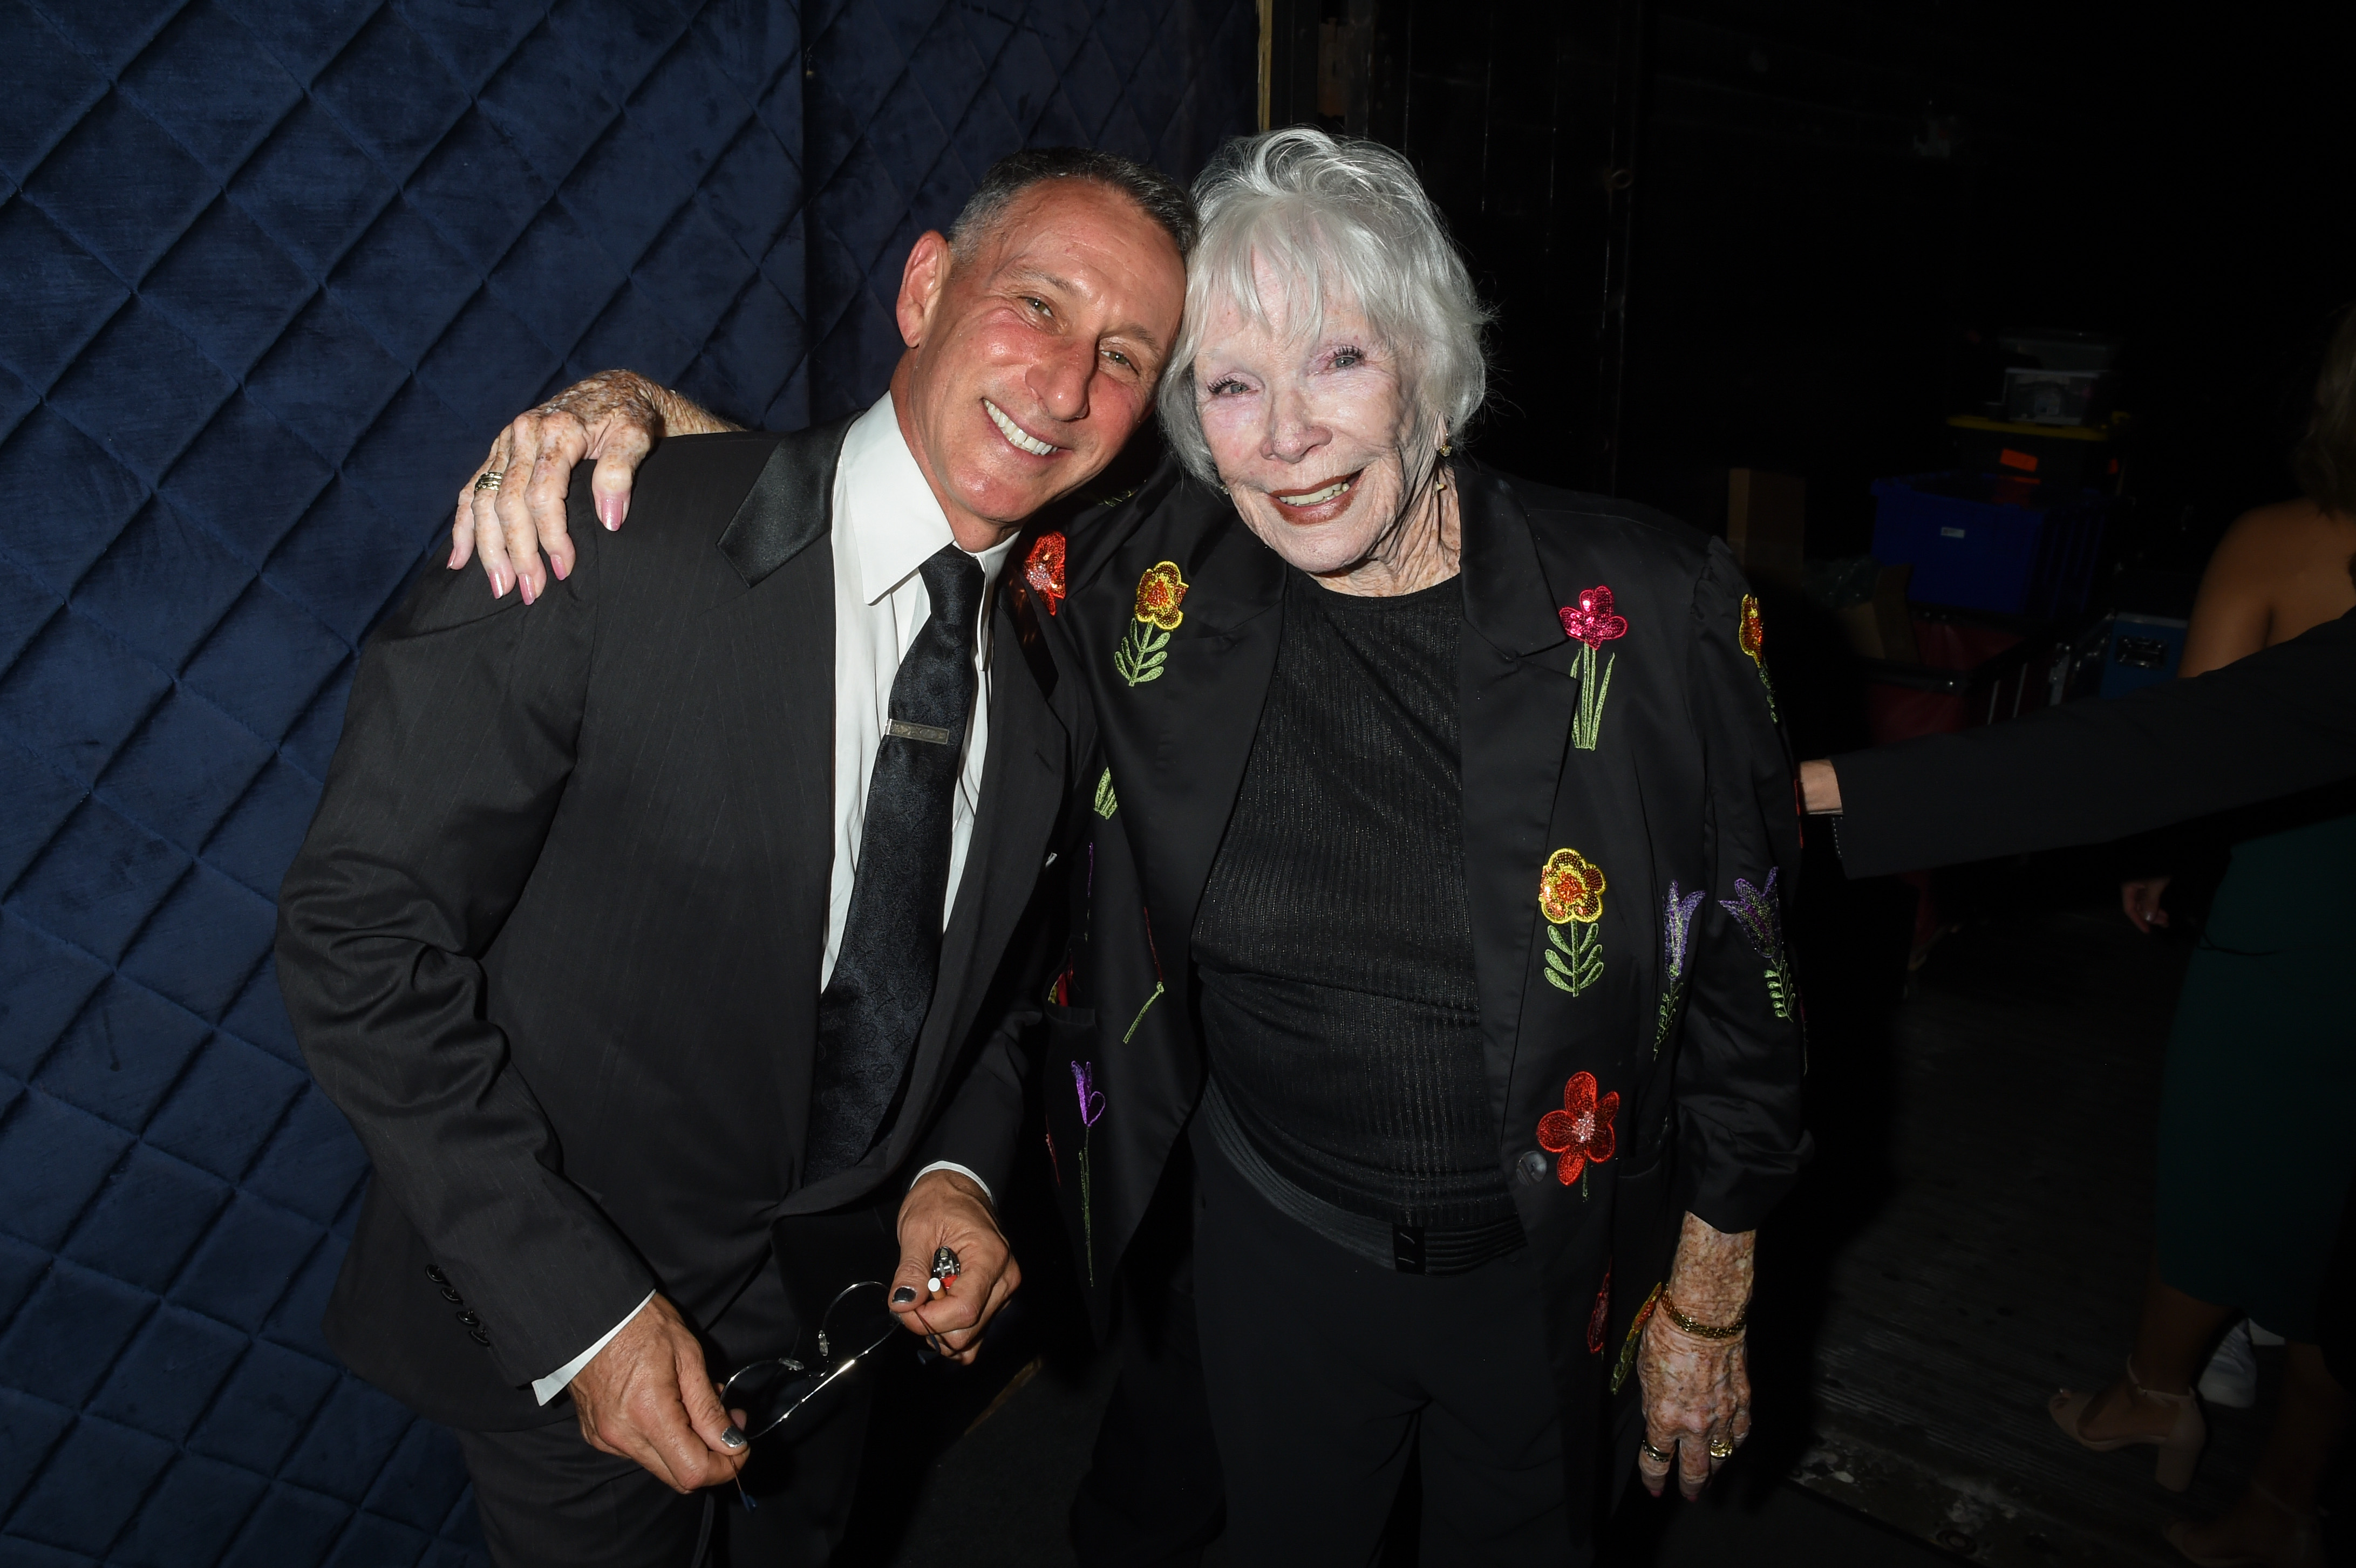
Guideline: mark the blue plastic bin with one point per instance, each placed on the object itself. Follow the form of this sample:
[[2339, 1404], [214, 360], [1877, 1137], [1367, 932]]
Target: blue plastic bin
[[1986, 541]]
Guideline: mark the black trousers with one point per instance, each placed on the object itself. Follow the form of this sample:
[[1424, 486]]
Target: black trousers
[[1324, 1373], [547, 1499], [1153, 1497]]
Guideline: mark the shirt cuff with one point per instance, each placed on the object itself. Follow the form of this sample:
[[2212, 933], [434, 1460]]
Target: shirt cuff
[[554, 1383], [968, 1173]]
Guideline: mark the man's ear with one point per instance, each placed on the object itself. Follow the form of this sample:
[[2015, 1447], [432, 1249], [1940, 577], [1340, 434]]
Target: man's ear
[[921, 283]]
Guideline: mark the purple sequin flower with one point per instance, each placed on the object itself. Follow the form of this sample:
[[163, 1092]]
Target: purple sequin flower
[[1092, 1100]]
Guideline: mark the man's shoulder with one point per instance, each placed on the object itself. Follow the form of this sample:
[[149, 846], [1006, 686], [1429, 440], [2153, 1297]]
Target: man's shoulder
[[757, 496]]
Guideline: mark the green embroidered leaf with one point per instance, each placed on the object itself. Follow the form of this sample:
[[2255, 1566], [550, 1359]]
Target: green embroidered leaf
[[1140, 655], [1107, 804]]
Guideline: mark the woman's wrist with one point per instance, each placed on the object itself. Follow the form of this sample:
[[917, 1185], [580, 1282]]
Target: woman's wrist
[[1710, 1281]]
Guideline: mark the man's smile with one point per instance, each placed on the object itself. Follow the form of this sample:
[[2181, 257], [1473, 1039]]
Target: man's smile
[[1016, 436]]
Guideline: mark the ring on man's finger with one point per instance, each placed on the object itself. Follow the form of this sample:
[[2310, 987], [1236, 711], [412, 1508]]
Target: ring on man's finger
[[1721, 1448], [489, 479], [1647, 1444]]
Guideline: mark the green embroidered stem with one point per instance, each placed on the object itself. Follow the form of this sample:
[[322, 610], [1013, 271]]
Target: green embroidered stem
[[1087, 1219], [1771, 717], [1583, 1193], [1141, 654], [1780, 989], [1576, 962], [1668, 1014], [1142, 1011], [1107, 801], [1588, 725]]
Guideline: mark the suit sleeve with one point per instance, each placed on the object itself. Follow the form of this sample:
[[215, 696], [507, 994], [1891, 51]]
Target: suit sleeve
[[457, 743], [2085, 773], [1743, 1052]]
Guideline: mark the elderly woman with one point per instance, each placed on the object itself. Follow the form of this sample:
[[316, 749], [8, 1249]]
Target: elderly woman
[[1433, 892]]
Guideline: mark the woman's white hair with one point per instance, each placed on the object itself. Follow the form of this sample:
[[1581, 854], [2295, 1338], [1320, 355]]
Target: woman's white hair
[[1331, 217]]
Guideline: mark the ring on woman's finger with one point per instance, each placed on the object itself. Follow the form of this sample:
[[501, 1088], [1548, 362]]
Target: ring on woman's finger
[[1646, 1444], [489, 479], [1721, 1448]]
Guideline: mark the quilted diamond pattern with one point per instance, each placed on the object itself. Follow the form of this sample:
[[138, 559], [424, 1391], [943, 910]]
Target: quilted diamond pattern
[[276, 271]]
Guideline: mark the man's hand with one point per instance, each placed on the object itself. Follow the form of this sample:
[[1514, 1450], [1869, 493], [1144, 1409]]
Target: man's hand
[[646, 1397], [946, 1209], [2140, 899], [614, 417], [1819, 788]]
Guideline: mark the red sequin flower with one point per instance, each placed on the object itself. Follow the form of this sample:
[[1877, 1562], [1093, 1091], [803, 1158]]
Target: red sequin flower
[[1592, 621], [1043, 568], [1581, 1130]]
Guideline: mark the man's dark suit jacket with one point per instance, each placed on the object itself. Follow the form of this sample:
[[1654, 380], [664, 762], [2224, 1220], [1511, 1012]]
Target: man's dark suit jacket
[[1688, 785], [553, 941], [2273, 724]]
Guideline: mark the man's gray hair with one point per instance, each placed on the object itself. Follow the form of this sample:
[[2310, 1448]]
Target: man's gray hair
[[1332, 219]]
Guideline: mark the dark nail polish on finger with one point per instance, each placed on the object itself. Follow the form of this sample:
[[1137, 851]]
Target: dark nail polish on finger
[[732, 1438], [905, 1294]]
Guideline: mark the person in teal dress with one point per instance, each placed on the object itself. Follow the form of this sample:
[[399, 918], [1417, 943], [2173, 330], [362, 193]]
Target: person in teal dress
[[2256, 1149]]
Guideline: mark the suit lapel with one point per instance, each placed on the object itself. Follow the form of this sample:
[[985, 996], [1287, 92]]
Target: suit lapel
[[1201, 713], [791, 505], [1517, 707]]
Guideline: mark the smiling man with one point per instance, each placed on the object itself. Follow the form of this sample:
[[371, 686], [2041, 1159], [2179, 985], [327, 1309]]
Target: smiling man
[[647, 928]]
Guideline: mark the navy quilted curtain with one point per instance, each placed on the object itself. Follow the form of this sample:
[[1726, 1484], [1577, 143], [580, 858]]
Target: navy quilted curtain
[[271, 274]]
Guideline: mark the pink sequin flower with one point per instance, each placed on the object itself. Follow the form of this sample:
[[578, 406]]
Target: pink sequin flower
[[1591, 620]]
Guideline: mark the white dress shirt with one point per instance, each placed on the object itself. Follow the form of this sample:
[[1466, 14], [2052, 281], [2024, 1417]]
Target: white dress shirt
[[886, 525]]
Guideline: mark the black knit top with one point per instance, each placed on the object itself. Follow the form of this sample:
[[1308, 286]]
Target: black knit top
[[1333, 941]]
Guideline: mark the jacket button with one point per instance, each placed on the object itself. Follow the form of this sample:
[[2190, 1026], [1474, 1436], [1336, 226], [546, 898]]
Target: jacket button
[[478, 1337], [470, 1320], [435, 1274], [453, 1297], [1533, 1167]]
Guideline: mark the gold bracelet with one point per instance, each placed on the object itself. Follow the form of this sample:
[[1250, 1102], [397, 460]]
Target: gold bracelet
[[1705, 1330]]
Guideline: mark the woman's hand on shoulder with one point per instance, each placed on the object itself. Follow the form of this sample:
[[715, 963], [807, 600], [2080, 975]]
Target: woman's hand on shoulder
[[615, 418]]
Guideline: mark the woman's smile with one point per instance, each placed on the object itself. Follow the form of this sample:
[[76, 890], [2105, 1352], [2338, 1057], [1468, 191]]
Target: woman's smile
[[1319, 502]]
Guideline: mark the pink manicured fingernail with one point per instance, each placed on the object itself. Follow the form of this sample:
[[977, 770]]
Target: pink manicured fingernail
[[562, 570], [498, 584], [454, 558], [525, 584], [609, 512]]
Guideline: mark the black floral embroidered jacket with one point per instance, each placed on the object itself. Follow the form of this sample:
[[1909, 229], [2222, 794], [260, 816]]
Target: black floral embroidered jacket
[[1631, 840]]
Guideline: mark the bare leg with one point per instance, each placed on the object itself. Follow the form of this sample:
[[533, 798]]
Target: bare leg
[[2274, 1519], [2172, 1343]]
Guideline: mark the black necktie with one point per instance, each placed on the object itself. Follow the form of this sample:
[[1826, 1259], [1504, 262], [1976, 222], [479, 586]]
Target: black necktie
[[882, 981]]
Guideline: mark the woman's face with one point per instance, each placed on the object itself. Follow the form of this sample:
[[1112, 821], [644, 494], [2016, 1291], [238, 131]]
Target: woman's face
[[1306, 429]]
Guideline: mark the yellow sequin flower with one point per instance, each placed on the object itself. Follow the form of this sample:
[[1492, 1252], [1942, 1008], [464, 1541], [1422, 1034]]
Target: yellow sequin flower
[[1753, 635], [1572, 889], [1159, 594]]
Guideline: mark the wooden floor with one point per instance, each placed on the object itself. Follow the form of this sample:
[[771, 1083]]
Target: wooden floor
[[1992, 1246]]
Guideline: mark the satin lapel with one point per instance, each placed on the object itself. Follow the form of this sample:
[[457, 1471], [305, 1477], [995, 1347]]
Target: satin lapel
[[1200, 713], [791, 505], [1517, 707]]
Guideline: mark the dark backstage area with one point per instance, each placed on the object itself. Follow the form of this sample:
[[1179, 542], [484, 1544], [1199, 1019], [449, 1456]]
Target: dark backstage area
[[1164, 783]]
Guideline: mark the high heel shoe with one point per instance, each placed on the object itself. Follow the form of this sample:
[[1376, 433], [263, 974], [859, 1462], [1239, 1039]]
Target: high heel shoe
[[2301, 1548], [2179, 1446]]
